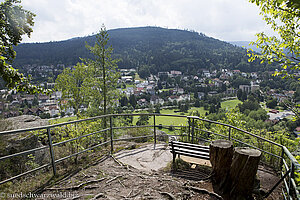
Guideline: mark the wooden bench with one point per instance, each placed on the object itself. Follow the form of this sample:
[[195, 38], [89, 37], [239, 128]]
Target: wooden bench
[[188, 149]]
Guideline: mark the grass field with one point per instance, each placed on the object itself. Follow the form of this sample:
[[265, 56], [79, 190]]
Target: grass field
[[137, 77], [175, 121], [230, 104], [130, 85], [166, 120]]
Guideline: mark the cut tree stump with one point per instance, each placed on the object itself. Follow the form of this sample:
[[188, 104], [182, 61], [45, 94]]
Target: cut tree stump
[[234, 170], [242, 172], [220, 155]]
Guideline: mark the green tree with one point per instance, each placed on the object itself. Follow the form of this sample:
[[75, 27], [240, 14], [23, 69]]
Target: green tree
[[143, 120], [244, 96], [14, 23], [197, 103], [144, 71], [74, 85], [123, 101], [248, 105], [272, 103], [132, 100], [239, 94], [103, 83], [283, 16], [157, 108]]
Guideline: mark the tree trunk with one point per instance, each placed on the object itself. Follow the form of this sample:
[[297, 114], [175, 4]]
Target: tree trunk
[[243, 171], [220, 154]]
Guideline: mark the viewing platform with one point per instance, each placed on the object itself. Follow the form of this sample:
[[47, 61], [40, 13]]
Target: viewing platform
[[120, 145]]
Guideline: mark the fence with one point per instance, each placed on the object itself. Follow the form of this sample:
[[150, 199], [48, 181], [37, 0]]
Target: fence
[[194, 130]]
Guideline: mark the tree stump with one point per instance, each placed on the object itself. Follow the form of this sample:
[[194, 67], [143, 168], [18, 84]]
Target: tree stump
[[220, 155], [243, 171]]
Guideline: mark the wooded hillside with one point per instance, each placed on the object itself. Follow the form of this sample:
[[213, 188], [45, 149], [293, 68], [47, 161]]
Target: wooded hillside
[[159, 49]]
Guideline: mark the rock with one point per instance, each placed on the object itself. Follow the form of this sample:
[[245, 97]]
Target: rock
[[161, 136], [30, 141], [14, 143], [26, 121]]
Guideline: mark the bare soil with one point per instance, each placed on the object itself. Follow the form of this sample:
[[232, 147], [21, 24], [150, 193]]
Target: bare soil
[[146, 177]]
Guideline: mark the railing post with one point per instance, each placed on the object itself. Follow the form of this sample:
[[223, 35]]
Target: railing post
[[189, 131], [281, 160], [154, 129], [229, 134], [111, 135], [193, 130], [51, 151], [290, 179]]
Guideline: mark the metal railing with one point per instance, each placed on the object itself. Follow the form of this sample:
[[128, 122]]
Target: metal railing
[[194, 130]]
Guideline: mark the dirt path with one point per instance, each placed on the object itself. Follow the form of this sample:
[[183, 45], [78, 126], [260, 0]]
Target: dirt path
[[147, 157], [137, 174], [109, 180]]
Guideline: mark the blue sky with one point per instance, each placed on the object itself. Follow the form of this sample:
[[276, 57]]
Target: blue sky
[[228, 20]]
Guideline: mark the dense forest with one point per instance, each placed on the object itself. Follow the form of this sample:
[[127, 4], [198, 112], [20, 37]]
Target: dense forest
[[152, 48]]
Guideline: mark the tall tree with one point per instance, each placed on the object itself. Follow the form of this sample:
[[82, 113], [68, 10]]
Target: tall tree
[[105, 75], [14, 23], [283, 16], [74, 84]]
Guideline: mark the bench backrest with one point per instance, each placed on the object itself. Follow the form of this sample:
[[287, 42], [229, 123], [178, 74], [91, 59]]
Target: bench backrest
[[191, 150]]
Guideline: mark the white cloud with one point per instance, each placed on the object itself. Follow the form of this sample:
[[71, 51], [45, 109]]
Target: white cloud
[[63, 19]]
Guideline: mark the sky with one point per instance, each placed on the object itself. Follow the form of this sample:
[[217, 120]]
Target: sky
[[227, 20]]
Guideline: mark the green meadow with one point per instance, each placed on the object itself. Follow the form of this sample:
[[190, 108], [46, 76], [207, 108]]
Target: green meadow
[[167, 120]]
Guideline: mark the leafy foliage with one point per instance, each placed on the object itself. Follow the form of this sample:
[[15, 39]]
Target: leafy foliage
[[104, 75], [74, 85], [14, 23], [283, 17]]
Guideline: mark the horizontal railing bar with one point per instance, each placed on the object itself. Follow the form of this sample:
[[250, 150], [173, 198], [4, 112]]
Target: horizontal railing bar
[[211, 132], [175, 135], [238, 141], [123, 127], [24, 152], [25, 173], [146, 126], [132, 138], [75, 154], [82, 136], [139, 114], [83, 120], [205, 140], [256, 148], [228, 125], [167, 126]]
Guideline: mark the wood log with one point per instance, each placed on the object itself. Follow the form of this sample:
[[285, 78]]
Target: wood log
[[220, 154], [243, 171]]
